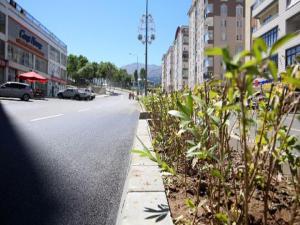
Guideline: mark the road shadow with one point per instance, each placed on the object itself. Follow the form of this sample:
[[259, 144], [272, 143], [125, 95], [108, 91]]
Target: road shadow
[[24, 200], [13, 99]]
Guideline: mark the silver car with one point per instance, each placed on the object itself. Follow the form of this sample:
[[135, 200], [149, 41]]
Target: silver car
[[16, 90], [73, 93]]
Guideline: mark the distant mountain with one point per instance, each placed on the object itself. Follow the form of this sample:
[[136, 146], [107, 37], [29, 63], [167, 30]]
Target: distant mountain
[[154, 71]]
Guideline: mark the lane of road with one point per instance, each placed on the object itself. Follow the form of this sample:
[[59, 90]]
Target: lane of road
[[64, 162]]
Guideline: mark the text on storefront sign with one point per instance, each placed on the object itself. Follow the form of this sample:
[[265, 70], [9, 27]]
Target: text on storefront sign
[[30, 39]]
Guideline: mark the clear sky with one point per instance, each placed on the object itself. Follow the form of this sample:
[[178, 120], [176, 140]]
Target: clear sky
[[106, 30]]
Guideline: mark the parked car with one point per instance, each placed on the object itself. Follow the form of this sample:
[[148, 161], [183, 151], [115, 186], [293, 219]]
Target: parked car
[[90, 93], [16, 90], [73, 93]]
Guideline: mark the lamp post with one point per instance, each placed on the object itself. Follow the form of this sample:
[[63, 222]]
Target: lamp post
[[146, 36], [137, 69]]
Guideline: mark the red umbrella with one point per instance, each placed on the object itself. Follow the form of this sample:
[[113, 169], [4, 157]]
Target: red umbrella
[[32, 77]]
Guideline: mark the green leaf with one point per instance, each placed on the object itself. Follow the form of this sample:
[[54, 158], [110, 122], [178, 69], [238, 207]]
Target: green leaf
[[290, 80], [216, 173], [183, 109], [213, 94], [190, 103], [213, 51], [273, 69], [241, 55], [229, 75], [282, 41], [259, 46], [250, 63], [179, 114], [222, 217], [190, 203]]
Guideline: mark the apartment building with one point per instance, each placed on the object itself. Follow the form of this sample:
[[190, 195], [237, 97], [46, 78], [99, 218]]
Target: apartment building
[[163, 73], [169, 69], [272, 19], [27, 45], [213, 23], [181, 57], [175, 63]]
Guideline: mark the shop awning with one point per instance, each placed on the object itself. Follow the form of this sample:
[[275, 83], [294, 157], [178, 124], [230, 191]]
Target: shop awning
[[33, 77]]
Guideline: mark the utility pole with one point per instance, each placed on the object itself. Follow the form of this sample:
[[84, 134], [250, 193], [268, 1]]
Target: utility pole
[[146, 50], [146, 36]]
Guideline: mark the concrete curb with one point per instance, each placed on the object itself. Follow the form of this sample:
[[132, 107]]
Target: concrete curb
[[144, 186]]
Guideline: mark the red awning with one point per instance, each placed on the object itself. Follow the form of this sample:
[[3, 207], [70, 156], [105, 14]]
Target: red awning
[[33, 77]]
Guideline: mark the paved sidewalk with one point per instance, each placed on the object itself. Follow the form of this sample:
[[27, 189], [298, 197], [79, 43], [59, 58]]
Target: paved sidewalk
[[144, 187]]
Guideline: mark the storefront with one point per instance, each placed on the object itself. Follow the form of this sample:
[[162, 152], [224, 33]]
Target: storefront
[[3, 64], [26, 45]]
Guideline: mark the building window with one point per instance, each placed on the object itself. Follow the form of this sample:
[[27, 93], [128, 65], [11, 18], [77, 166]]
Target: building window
[[209, 8], [54, 54], [274, 58], [223, 10], [63, 74], [2, 75], [2, 49], [41, 64], [2, 23], [209, 36], [239, 37], [223, 36], [291, 55], [63, 59], [223, 23], [239, 10], [20, 56], [239, 23], [209, 62], [271, 36]]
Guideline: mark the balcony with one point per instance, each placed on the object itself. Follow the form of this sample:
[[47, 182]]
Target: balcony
[[291, 3], [266, 16], [260, 5], [293, 24]]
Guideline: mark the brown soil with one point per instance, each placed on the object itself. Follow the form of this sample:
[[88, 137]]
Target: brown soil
[[279, 211]]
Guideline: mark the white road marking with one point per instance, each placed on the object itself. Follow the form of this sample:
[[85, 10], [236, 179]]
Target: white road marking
[[84, 110], [46, 117]]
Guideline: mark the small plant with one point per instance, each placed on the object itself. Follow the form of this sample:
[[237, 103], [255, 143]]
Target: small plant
[[231, 145]]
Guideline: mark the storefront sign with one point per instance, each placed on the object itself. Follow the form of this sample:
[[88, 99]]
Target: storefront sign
[[24, 37], [30, 39]]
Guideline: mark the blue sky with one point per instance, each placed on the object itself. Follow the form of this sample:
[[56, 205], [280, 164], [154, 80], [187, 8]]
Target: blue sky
[[106, 30]]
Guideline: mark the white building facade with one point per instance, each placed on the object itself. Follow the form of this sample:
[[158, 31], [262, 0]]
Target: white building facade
[[181, 58], [170, 70], [272, 19], [26, 45], [175, 63], [163, 73]]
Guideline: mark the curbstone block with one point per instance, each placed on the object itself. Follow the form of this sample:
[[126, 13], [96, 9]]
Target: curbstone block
[[134, 208]]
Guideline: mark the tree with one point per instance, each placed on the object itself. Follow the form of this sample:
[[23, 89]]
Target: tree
[[86, 73], [107, 70], [136, 76], [82, 61], [143, 75], [72, 65]]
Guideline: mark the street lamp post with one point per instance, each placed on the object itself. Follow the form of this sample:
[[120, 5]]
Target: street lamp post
[[146, 36]]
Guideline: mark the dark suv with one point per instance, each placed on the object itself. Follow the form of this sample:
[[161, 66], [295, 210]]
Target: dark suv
[[16, 90]]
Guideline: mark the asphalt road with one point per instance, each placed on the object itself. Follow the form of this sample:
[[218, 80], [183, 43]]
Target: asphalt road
[[64, 162]]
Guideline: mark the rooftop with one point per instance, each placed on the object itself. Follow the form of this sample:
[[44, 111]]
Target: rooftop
[[37, 23]]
